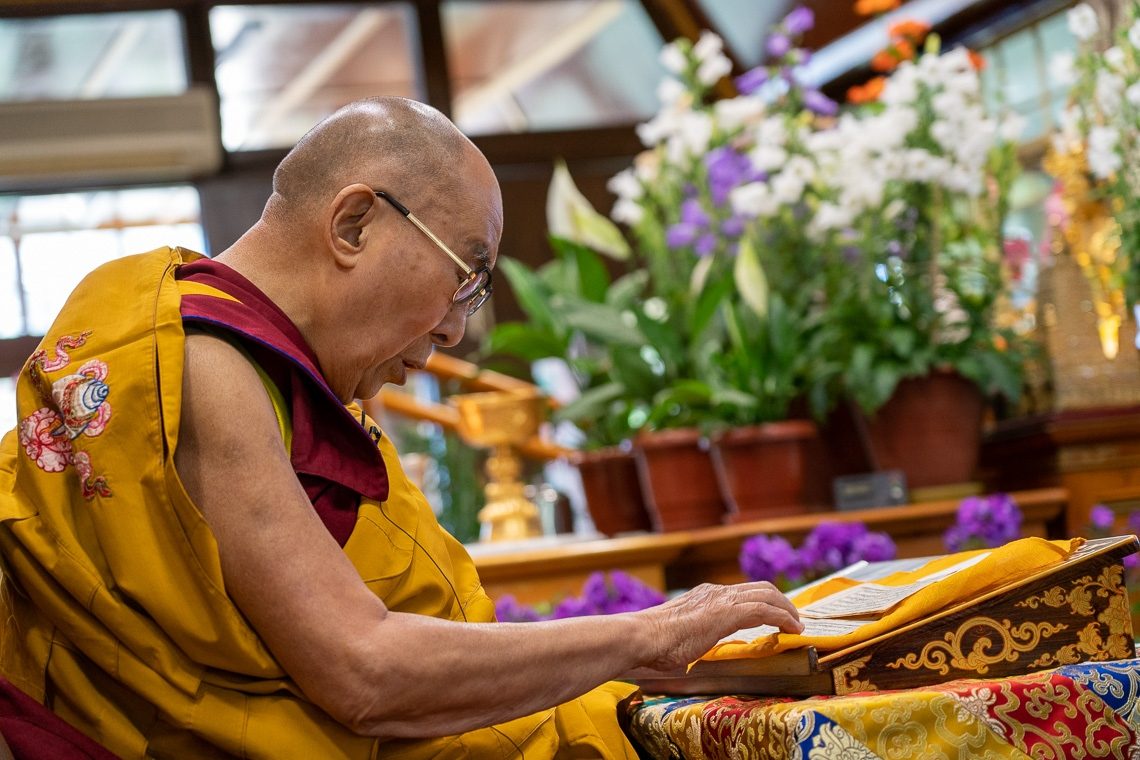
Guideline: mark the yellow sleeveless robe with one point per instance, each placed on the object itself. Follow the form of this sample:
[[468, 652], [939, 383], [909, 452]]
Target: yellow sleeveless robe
[[114, 611]]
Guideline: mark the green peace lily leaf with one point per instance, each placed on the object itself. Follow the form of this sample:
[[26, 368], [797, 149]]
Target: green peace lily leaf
[[591, 403]]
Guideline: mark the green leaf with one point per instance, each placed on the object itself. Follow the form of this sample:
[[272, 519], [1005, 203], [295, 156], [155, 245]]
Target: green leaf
[[529, 290], [751, 281], [627, 288], [591, 403], [602, 323], [524, 341], [592, 278], [710, 299]]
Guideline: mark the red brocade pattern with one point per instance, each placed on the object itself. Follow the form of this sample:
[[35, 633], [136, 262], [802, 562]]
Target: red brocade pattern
[[1091, 710]]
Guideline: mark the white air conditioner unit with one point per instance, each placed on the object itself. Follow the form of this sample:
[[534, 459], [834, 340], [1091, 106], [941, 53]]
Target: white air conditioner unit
[[60, 143]]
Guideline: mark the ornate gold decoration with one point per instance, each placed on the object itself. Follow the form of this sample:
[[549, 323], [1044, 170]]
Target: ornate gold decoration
[[503, 420], [1093, 237], [1012, 641], [846, 677], [1105, 639]]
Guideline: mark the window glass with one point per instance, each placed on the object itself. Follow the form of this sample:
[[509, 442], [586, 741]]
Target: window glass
[[106, 55], [7, 405], [48, 243], [559, 64], [11, 316], [744, 24], [281, 69]]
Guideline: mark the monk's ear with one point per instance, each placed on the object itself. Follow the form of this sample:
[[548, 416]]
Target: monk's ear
[[352, 210]]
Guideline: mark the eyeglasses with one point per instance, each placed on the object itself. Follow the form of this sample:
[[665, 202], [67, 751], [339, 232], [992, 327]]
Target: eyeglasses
[[473, 291]]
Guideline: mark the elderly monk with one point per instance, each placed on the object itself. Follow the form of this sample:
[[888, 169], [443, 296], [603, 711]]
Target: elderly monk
[[209, 550]]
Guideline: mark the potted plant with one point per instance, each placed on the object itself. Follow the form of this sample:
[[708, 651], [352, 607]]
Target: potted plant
[[717, 204], [914, 271], [574, 311]]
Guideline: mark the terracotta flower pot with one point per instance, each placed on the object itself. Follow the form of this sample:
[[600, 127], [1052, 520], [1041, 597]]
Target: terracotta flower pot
[[931, 429], [678, 480], [761, 469], [613, 492]]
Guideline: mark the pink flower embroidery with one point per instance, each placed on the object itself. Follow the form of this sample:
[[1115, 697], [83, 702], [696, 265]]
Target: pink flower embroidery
[[49, 452], [80, 408]]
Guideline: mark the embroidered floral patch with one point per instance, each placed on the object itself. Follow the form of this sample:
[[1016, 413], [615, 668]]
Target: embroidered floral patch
[[77, 406]]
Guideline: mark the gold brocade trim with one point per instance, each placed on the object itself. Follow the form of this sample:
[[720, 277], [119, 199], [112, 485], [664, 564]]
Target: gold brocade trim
[[846, 678], [1012, 641]]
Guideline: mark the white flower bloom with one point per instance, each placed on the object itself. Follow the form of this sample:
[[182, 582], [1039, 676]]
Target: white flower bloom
[[964, 83], [1063, 69], [670, 91], [625, 184], [787, 188], [1109, 89], [944, 132], [919, 164], [801, 168], [948, 104], [1083, 22], [831, 216], [710, 71], [733, 113], [1133, 94], [767, 158], [956, 61], [627, 212], [647, 165], [753, 200], [658, 128], [900, 89], [1070, 123], [1134, 35], [708, 45], [672, 58], [695, 131], [772, 132], [1011, 127], [1103, 157], [1114, 57]]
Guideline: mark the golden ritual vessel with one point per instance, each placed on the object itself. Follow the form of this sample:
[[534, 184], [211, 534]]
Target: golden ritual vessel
[[503, 421]]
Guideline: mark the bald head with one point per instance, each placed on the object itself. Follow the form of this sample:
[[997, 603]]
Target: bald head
[[397, 144]]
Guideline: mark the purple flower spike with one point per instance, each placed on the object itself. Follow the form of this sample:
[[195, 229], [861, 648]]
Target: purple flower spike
[[984, 521], [819, 103], [733, 226], [693, 214], [873, 547], [778, 45], [705, 244], [769, 558], [752, 80], [800, 20], [681, 235], [508, 610], [573, 606], [727, 169], [1101, 518]]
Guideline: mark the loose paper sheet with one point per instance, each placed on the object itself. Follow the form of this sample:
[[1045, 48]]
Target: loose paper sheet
[[875, 599]]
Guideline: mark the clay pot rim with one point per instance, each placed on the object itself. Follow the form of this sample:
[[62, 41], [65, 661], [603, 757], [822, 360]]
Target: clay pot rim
[[656, 439], [601, 455], [782, 430]]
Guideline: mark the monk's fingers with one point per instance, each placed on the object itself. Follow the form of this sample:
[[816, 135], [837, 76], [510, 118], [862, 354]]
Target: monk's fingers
[[762, 613], [765, 593]]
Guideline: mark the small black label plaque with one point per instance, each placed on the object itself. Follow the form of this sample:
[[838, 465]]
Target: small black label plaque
[[872, 489]]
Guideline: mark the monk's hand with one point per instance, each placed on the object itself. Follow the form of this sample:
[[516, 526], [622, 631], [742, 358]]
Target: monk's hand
[[686, 627]]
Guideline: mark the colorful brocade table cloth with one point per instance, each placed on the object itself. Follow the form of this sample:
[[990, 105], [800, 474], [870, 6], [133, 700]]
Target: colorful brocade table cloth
[[1076, 711]]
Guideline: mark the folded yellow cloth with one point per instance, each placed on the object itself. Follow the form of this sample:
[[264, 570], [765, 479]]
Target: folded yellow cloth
[[1005, 564]]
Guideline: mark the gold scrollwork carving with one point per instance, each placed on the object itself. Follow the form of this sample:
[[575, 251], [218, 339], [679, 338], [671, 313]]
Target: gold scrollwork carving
[[1079, 594], [846, 677], [1010, 643]]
